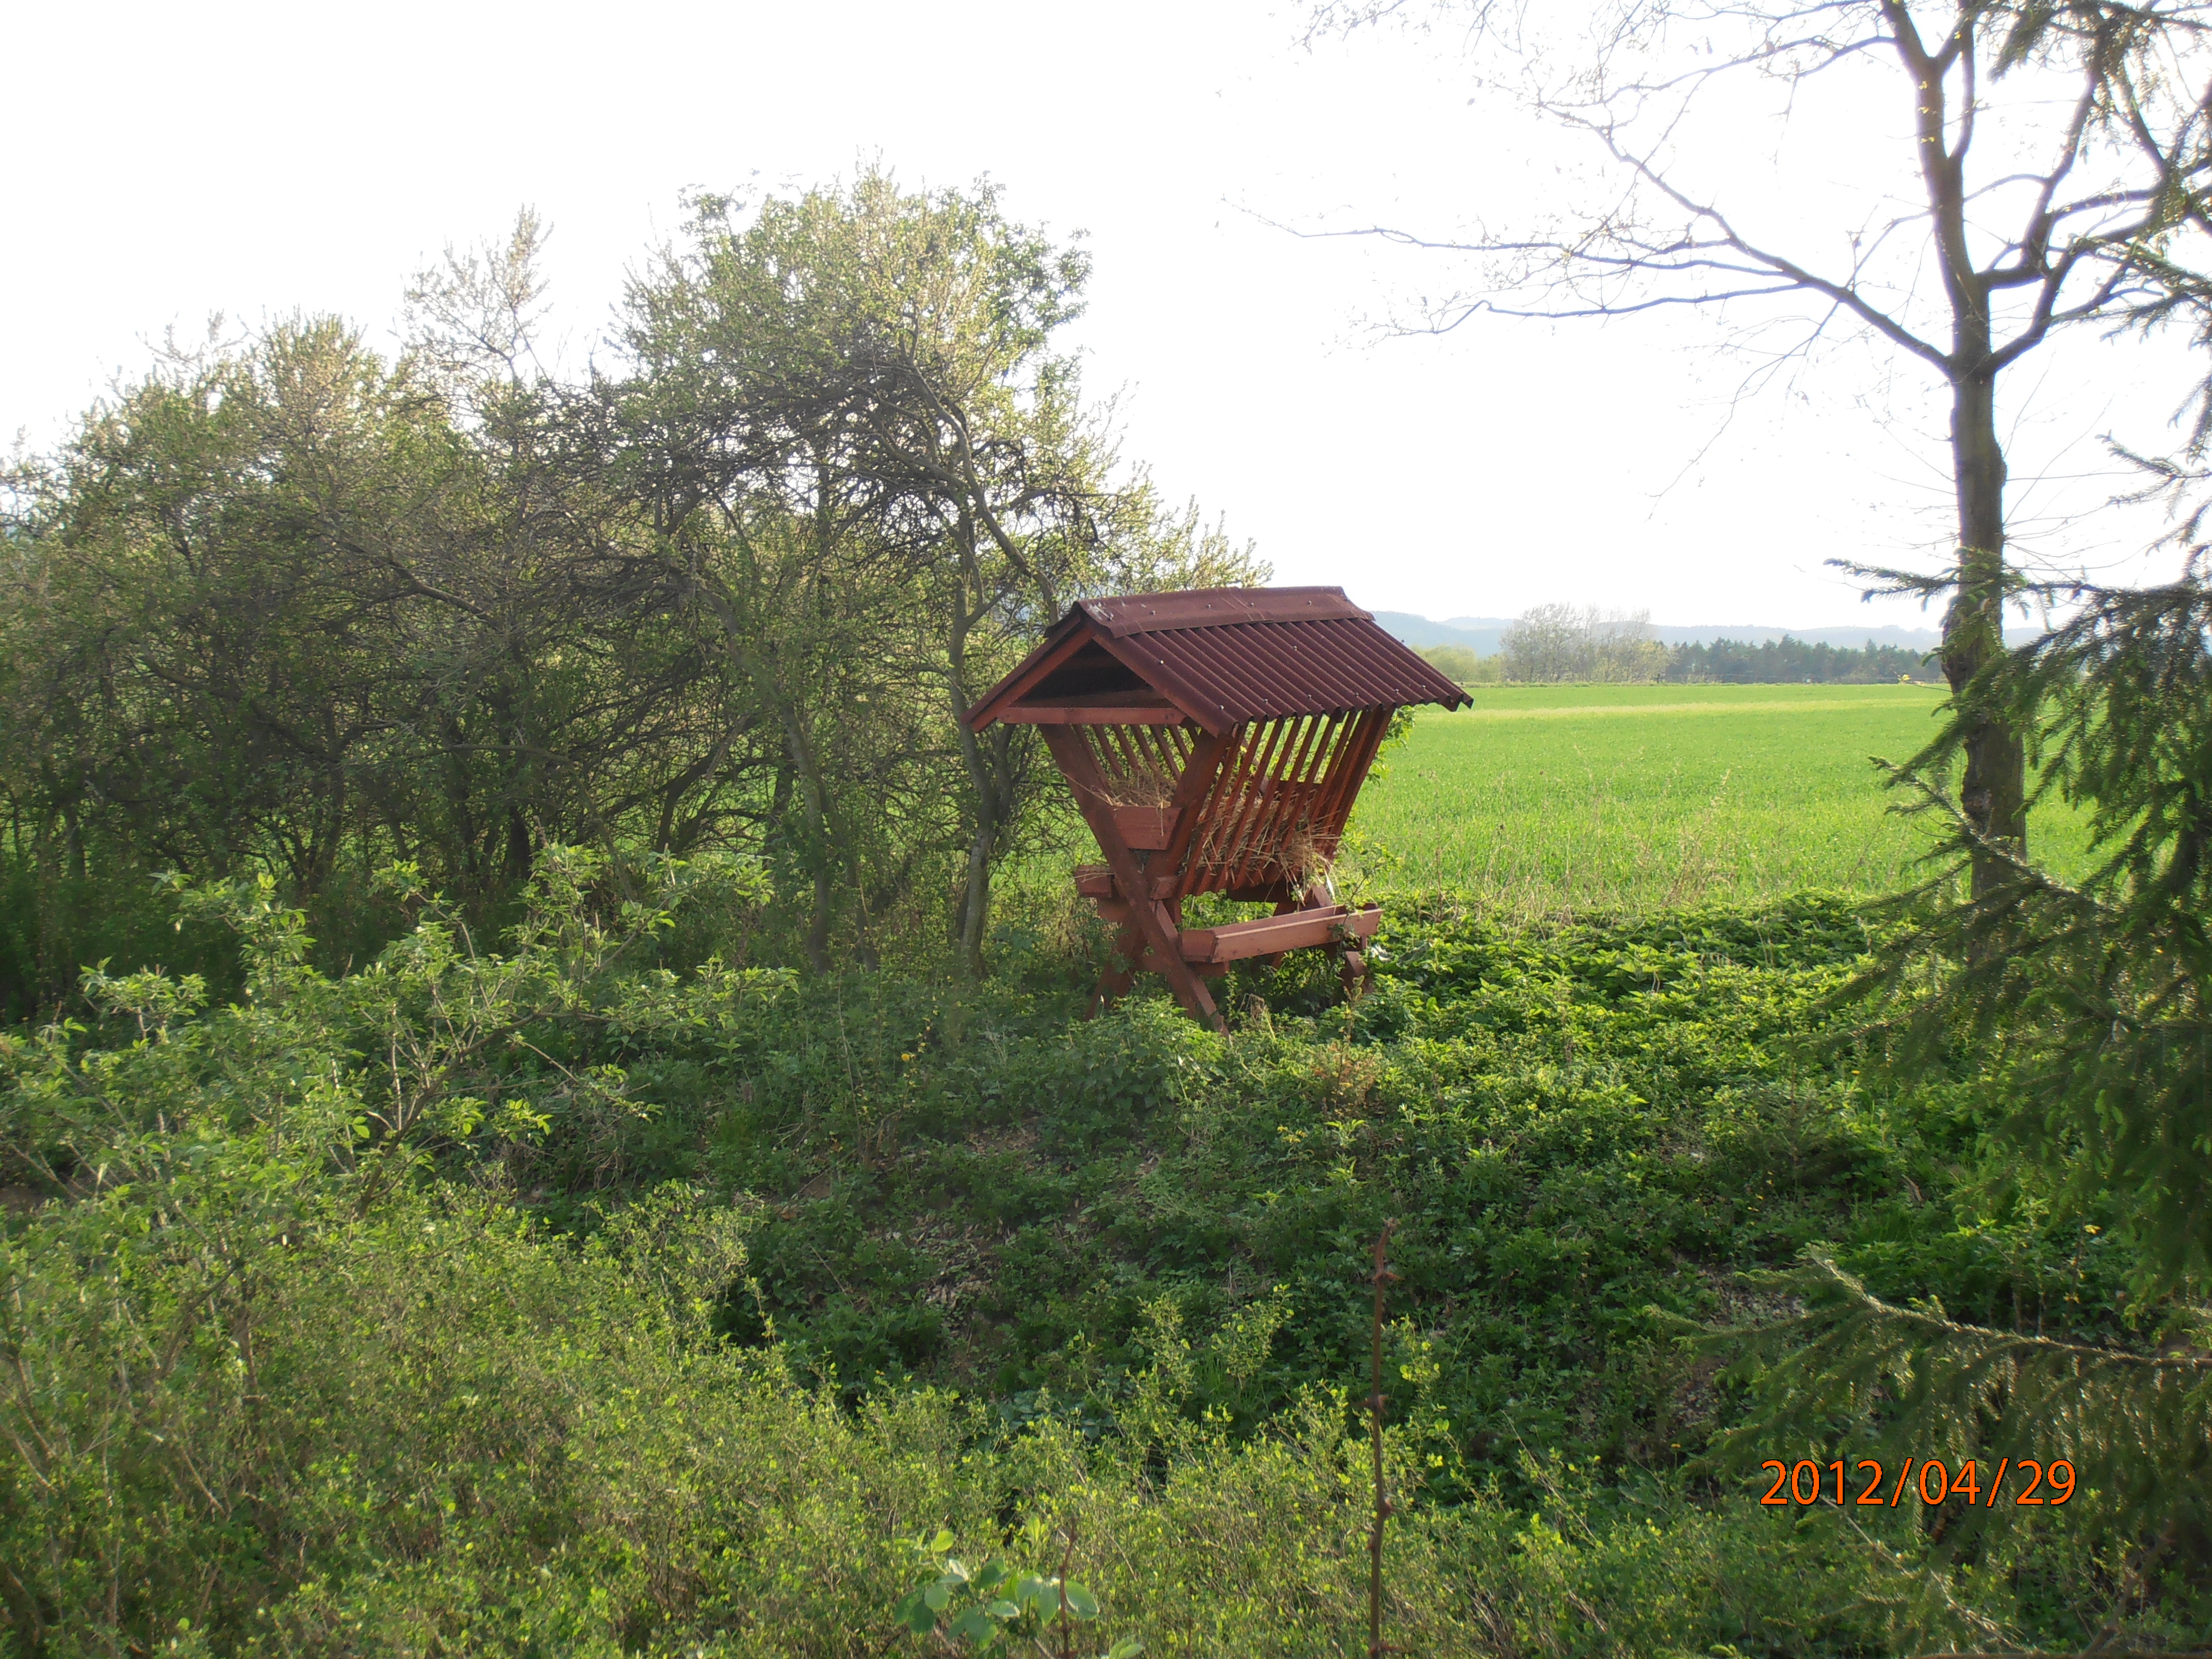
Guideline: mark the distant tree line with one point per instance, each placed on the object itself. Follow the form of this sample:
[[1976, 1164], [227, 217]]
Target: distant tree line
[[290, 606], [1566, 643], [1788, 660]]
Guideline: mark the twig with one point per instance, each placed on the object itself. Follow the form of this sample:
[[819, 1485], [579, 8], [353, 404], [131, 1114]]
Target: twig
[[1067, 1561], [1382, 1276]]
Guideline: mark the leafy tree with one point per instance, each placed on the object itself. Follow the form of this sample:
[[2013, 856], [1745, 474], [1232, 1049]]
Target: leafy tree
[[879, 366], [1463, 663], [286, 606]]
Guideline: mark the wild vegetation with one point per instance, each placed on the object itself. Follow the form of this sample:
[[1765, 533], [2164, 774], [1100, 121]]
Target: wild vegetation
[[532, 1302], [577, 1133], [288, 606]]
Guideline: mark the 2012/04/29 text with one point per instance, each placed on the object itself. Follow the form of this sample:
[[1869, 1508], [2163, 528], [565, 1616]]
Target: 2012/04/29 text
[[1808, 1482]]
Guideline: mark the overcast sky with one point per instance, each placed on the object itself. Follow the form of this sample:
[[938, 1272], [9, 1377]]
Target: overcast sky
[[172, 161]]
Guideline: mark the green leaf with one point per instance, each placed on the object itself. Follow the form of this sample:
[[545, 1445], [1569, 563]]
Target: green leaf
[[1127, 1648], [942, 1542], [991, 1576], [937, 1596], [974, 1626], [1033, 1590], [1081, 1603], [1004, 1610], [915, 1613]]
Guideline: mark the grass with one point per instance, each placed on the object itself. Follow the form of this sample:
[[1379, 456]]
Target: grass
[[1544, 800]]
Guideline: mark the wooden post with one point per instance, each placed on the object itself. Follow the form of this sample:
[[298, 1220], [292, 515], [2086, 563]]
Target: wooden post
[[1072, 755], [1114, 982]]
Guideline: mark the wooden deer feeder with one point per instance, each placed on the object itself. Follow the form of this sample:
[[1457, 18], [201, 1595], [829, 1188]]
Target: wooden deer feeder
[[1216, 740]]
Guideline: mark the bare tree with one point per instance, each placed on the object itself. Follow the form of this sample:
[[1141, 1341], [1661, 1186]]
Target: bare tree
[[473, 316], [1572, 642], [2085, 204]]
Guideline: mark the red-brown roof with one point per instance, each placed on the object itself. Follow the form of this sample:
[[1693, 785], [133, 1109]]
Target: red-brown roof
[[1224, 655]]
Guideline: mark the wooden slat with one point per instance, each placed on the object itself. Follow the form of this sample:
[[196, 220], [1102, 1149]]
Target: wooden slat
[[1252, 836], [1126, 744], [1312, 809], [1226, 846], [1261, 844], [1113, 744], [1201, 763], [1269, 934], [1355, 760], [1149, 744], [1330, 804], [1243, 746]]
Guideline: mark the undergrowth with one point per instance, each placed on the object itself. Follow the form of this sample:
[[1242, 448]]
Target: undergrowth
[[544, 1303]]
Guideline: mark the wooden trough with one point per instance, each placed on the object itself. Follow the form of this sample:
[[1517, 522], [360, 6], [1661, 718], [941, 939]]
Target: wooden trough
[[1216, 740]]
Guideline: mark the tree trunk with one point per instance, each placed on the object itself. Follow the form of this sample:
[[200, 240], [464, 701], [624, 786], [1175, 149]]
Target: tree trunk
[[975, 899], [803, 768], [990, 808], [1994, 791], [989, 781], [814, 798]]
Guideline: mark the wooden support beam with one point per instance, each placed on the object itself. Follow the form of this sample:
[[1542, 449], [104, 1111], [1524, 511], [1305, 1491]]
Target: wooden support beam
[[1146, 828], [1072, 755], [1096, 881], [1053, 714], [1121, 972], [1270, 935]]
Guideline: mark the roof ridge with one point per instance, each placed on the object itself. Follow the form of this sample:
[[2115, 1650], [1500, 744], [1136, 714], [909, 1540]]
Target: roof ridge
[[1124, 614]]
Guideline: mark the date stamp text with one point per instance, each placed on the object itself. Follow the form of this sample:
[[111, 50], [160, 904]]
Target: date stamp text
[[2024, 1481]]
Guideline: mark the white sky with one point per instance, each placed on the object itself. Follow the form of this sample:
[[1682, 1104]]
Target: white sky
[[169, 161]]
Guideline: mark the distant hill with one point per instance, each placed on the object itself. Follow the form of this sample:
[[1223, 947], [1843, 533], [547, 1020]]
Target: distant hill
[[1479, 633], [1482, 635]]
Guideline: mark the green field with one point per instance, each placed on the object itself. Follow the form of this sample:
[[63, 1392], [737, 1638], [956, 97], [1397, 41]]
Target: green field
[[1546, 798]]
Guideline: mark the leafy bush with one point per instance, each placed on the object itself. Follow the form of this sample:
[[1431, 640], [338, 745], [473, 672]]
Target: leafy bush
[[529, 1302]]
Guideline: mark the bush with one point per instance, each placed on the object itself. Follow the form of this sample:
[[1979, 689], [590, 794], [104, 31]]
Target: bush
[[526, 1303]]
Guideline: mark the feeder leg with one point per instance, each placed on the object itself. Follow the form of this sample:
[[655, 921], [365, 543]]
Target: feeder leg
[[1120, 973], [1160, 931], [1357, 974]]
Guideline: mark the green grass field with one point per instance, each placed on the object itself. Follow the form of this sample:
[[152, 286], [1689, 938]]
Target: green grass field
[[1546, 798]]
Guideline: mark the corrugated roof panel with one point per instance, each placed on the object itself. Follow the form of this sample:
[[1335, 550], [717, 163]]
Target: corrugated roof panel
[[1235, 655], [1256, 671]]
